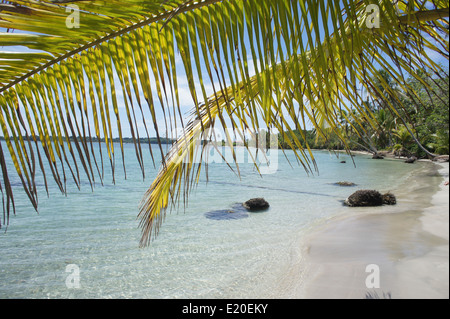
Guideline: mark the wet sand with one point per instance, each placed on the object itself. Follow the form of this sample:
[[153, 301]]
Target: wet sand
[[397, 252]]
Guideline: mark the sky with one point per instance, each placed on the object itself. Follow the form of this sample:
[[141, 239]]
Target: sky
[[185, 98]]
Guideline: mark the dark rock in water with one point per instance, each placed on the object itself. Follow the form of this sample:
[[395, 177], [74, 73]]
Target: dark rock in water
[[256, 204], [411, 160], [226, 214], [364, 198], [345, 184], [343, 162], [236, 212], [389, 199], [377, 156]]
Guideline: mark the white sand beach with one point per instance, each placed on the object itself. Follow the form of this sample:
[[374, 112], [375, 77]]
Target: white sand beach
[[397, 252]]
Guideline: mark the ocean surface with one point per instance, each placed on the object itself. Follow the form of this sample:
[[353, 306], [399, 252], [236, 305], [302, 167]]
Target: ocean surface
[[86, 245]]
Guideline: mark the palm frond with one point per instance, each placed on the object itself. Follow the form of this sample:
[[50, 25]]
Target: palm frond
[[325, 76], [278, 64]]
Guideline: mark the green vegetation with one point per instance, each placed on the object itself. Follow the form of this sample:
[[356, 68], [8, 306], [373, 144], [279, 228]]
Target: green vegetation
[[426, 115]]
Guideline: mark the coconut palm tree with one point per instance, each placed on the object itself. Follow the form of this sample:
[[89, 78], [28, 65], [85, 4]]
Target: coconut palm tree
[[276, 64], [404, 139], [386, 124], [398, 149]]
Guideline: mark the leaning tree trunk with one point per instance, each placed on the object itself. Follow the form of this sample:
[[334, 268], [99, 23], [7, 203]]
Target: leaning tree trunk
[[430, 155]]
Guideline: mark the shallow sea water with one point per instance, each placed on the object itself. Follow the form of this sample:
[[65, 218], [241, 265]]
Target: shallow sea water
[[196, 254]]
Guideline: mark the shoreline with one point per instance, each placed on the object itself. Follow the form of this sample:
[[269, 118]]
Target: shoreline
[[396, 252]]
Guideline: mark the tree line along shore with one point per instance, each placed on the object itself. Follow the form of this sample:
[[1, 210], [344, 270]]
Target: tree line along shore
[[419, 129]]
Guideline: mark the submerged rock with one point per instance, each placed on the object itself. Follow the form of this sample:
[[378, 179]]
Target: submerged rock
[[236, 212], [226, 214], [256, 204], [345, 184], [366, 198]]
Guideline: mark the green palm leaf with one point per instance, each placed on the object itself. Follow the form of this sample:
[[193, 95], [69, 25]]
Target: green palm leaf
[[277, 64]]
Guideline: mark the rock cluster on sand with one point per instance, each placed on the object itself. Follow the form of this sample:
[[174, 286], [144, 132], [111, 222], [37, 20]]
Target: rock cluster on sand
[[256, 204], [389, 199], [441, 159], [364, 198], [411, 160]]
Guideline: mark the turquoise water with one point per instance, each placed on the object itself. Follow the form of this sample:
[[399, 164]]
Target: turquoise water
[[194, 255]]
